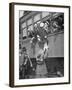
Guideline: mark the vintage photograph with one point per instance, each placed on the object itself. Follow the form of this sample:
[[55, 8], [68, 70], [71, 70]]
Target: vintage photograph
[[41, 44]]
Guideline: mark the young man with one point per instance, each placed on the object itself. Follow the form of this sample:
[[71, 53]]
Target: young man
[[27, 64]]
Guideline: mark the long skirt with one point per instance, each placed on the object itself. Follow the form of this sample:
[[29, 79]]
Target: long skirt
[[41, 70]]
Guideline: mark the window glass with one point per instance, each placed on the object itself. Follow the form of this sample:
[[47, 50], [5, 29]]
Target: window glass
[[24, 25], [29, 21], [36, 17], [44, 14]]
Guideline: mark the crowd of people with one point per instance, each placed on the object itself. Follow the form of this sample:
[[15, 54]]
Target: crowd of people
[[27, 67], [39, 35]]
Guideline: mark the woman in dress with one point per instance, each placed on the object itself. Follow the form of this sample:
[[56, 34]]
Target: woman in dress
[[41, 70]]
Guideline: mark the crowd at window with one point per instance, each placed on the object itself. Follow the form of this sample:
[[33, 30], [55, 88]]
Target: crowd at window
[[52, 24]]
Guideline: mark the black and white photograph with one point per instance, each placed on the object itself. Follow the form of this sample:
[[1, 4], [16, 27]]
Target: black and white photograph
[[40, 49], [41, 44]]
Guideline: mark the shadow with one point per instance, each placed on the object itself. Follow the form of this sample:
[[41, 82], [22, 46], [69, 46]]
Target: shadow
[[6, 84]]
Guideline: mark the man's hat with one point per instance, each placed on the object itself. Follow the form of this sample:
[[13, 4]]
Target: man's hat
[[24, 49]]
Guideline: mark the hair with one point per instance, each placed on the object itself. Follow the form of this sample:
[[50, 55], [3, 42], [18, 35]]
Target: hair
[[24, 49]]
